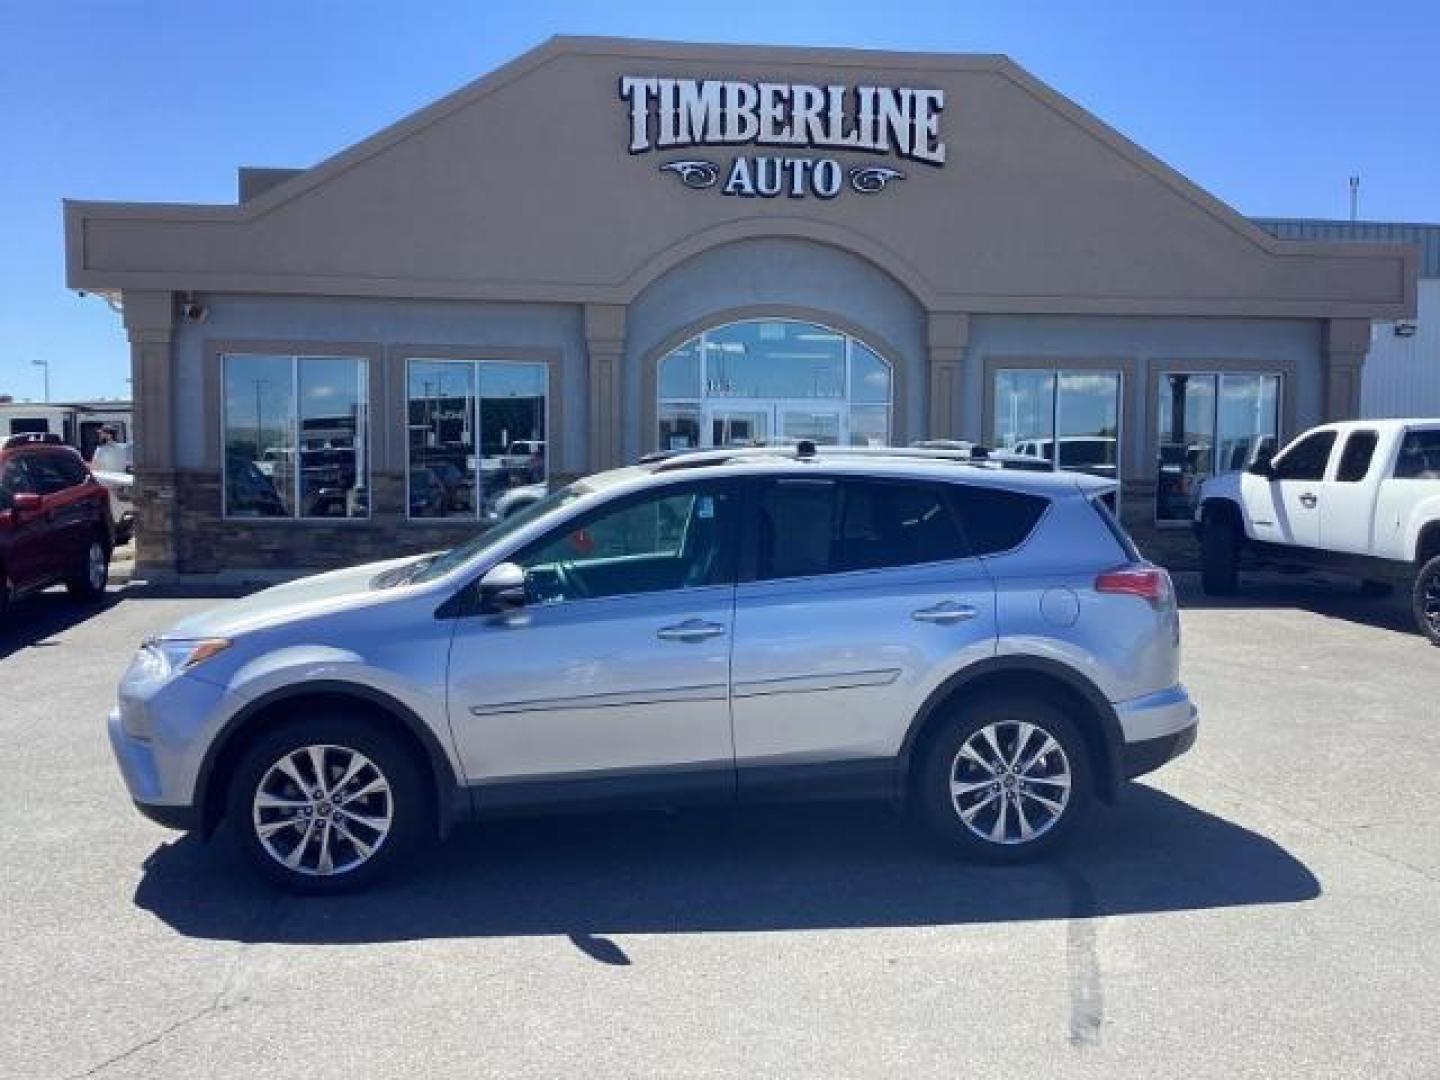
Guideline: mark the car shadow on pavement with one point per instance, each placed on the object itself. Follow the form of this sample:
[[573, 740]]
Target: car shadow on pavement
[[783, 868], [1333, 598], [41, 616]]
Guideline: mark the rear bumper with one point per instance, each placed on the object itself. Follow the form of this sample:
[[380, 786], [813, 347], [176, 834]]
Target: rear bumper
[[1139, 758], [1157, 728]]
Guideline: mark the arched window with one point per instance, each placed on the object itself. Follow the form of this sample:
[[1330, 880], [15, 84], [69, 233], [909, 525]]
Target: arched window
[[773, 381]]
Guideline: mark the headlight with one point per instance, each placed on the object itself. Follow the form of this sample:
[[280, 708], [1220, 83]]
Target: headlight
[[160, 658]]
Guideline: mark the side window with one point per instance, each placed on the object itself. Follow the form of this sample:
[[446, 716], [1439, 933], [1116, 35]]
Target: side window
[[674, 539], [12, 481], [995, 520], [1355, 460], [50, 473], [810, 527], [1419, 456], [1306, 459]]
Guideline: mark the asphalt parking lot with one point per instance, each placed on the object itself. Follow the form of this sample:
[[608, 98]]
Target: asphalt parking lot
[[1268, 906]]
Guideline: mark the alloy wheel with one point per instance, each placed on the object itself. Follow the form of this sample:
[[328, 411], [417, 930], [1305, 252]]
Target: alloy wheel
[[1430, 603], [322, 810], [1010, 782], [97, 567]]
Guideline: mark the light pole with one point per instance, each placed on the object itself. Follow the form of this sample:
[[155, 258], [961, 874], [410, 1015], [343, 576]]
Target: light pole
[[46, 365]]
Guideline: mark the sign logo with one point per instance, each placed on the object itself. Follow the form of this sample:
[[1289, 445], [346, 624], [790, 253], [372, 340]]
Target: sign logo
[[676, 114]]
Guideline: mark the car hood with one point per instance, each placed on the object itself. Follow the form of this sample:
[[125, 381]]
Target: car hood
[[309, 596]]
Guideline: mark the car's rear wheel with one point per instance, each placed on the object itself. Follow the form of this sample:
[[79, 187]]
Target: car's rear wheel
[[88, 579], [1220, 556], [1426, 599], [326, 804], [1005, 779]]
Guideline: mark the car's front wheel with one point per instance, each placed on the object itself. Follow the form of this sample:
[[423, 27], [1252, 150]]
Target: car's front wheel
[[1426, 599], [326, 805], [1005, 779]]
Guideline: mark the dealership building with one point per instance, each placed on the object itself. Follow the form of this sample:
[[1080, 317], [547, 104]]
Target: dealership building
[[609, 247]]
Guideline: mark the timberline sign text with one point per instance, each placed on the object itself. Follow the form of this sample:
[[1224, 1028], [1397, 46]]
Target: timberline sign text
[[675, 114]]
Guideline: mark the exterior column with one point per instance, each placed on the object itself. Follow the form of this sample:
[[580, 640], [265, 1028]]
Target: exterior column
[[605, 348], [947, 336], [1346, 341], [149, 324]]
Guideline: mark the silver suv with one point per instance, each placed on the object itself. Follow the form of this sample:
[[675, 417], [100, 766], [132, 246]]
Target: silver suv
[[986, 646]]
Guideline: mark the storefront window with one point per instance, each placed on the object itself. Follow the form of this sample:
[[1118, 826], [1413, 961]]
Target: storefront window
[[1209, 423], [1070, 419], [296, 436], [475, 430], [773, 380]]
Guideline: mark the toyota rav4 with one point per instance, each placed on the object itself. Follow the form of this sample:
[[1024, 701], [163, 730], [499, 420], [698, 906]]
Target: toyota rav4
[[985, 645]]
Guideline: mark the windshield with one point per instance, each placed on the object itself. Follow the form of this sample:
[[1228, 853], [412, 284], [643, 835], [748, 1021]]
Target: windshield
[[463, 553]]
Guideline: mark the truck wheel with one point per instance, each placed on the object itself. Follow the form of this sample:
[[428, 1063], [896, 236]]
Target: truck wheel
[[1219, 555], [1427, 600]]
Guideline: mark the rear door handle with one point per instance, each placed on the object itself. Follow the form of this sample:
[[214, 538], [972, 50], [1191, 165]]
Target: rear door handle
[[945, 613], [1308, 501], [690, 630]]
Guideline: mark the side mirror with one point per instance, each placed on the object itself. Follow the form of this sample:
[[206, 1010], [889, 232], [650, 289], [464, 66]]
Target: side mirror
[[26, 502], [502, 588]]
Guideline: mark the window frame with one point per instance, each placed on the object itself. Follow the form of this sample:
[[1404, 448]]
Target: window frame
[[731, 537], [475, 359], [1308, 437], [844, 403], [239, 350], [1282, 377], [1350, 439], [749, 555]]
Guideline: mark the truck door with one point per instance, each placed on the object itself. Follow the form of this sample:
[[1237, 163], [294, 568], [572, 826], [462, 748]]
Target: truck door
[[1296, 487], [1347, 497]]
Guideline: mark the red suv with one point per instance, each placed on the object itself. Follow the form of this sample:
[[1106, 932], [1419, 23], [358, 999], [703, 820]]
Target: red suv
[[54, 520]]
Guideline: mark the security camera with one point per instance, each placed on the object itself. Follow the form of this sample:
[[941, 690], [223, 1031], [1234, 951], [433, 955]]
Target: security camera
[[194, 311], [1405, 328]]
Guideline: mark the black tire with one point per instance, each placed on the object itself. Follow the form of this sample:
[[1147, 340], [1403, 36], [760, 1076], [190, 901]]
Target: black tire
[[943, 764], [80, 582], [1426, 600], [409, 804], [1377, 590], [1219, 555]]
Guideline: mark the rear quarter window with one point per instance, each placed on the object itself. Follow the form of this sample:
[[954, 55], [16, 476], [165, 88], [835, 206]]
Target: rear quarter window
[[1419, 457], [996, 520]]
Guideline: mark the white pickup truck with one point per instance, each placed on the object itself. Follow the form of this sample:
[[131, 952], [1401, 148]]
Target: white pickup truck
[[1359, 498]]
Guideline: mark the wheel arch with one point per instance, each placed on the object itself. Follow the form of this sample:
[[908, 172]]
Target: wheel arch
[[1225, 509], [226, 749], [1034, 676], [1427, 543]]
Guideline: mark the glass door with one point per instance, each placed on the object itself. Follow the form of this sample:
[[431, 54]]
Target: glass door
[[822, 425], [730, 426]]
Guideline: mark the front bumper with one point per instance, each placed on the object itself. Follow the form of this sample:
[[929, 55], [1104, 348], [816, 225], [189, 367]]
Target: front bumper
[[139, 770], [1157, 728]]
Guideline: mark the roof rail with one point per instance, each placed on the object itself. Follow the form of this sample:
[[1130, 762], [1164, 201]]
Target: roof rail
[[937, 450]]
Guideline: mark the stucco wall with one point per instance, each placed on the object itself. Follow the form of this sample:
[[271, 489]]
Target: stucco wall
[[773, 276]]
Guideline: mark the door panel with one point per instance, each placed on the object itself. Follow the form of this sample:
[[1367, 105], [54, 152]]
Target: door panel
[[595, 685], [1299, 475], [831, 668], [1348, 495], [26, 539]]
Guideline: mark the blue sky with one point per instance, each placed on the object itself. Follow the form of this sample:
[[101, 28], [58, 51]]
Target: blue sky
[[1268, 105]]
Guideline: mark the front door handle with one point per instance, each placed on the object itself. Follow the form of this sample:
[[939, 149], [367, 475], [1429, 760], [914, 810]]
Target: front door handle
[[945, 613], [690, 630], [1308, 501]]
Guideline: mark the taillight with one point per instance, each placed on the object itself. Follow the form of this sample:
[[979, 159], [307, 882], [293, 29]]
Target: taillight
[[1149, 583]]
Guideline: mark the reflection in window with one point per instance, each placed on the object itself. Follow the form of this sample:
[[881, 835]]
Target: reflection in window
[[1209, 423], [763, 380], [476, 429], [1069, 418], [296, 436]]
